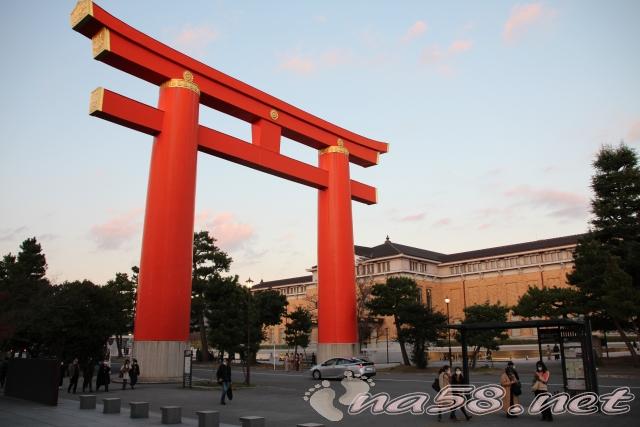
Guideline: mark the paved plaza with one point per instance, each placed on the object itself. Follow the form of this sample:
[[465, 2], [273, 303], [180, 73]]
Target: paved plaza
[[278, 396]]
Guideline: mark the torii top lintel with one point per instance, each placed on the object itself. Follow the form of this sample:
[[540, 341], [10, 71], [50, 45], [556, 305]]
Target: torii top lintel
[[123, 47]]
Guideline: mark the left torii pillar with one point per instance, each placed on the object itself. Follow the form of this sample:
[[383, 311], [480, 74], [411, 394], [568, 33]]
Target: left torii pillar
[[167, 243]]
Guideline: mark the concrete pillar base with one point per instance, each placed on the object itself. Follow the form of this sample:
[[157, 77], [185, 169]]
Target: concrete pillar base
[[328, 351], [160, 361]]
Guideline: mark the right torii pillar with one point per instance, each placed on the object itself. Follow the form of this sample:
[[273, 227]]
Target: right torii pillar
[[337, 322]]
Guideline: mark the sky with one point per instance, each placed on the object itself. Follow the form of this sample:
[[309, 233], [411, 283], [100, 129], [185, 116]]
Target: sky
[[494, 111]]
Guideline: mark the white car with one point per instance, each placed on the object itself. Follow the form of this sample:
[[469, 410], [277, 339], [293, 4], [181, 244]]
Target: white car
[[335, 368]]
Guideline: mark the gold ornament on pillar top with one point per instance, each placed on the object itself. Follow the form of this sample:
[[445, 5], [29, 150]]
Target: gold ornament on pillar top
[[273, 114], [186, 82], [340, 148]]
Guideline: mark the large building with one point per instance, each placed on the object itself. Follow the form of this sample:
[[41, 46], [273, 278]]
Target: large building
[[500, 274]]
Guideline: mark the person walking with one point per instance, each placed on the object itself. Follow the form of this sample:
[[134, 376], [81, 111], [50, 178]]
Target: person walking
[[297, 361], [63, 372], [4, 368], [134, 373], [444, 379], [512, 389], [313, 358], [87, 376], [124, 373], [286, 361], [224, 379], [458, 379], [104, 376], [540, 381], [74, 374], [556, 352]]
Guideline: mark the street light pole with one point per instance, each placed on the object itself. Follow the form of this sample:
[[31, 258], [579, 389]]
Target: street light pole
[[387, 344], [248, 352], [447, 301]]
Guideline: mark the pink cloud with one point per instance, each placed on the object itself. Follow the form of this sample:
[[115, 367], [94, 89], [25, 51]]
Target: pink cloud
[[414, 31], [442, 222], [117, 230], [298, 65], [459, 46], [634, 132], [225, 228], [413, 217], [561, 203], [305, 65], [195, 39], [524, 17]]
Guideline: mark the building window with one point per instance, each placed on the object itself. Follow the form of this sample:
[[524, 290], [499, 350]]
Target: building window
[[451, 270], [493, 265], [429, 301]]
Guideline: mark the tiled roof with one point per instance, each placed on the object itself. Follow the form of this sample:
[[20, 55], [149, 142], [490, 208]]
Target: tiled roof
[[282, 282], [388, 248], [516, 248]]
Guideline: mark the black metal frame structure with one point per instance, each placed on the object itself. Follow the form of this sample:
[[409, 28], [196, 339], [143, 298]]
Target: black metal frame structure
[[548, 331]]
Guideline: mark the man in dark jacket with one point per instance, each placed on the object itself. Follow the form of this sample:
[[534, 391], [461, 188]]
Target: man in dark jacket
[[224, 379], [74, 374], [87, 375]]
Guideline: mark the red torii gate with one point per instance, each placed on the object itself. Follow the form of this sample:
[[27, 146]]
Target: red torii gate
[[164, 291]]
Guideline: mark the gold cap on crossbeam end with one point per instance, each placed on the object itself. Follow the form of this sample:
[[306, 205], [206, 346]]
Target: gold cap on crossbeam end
[[273, 114], [101, 43], [81, 13], [186, 82], [97, 98]]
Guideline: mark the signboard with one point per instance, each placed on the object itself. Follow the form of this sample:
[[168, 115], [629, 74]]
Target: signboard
[[574, 366], [187, 372]]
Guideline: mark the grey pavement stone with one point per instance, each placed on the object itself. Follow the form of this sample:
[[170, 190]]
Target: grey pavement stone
[[111, 405], [208, 418], [87, 401], [252, 421], [171, 414], [139, 409]]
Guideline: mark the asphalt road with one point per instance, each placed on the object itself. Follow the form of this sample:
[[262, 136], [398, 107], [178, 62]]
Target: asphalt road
[[278, 396]]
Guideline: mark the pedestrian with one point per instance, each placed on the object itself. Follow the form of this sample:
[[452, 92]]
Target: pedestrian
[[444, 379], [286, 361], [4, 368], [224, 379], [512, 389], [548, 351], [63, 372], [540, 381], [124, 373], [458, 379], [511, 365], [297, 361], [104, 376], [134, 373], [74, 374], [87, 375], [313, 358], [556, 352]]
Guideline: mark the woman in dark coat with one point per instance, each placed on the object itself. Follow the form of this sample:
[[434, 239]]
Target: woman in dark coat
[[104, 376], [458, 379], [134, 373]]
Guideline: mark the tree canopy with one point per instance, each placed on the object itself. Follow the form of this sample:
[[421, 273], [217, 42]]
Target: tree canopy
[[489, 338]]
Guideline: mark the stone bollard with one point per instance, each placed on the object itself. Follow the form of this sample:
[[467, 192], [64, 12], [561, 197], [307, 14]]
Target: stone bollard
[[310, 425], [252, 421], [111, 405], [208, 418], [87, 401], [171, 414], [139, 409]]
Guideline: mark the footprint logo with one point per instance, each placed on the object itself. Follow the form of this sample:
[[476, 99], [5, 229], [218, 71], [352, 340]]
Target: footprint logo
[[321, 397], [354, 385]]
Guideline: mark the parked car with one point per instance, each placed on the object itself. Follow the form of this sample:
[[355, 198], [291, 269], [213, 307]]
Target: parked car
[[335, 368]]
